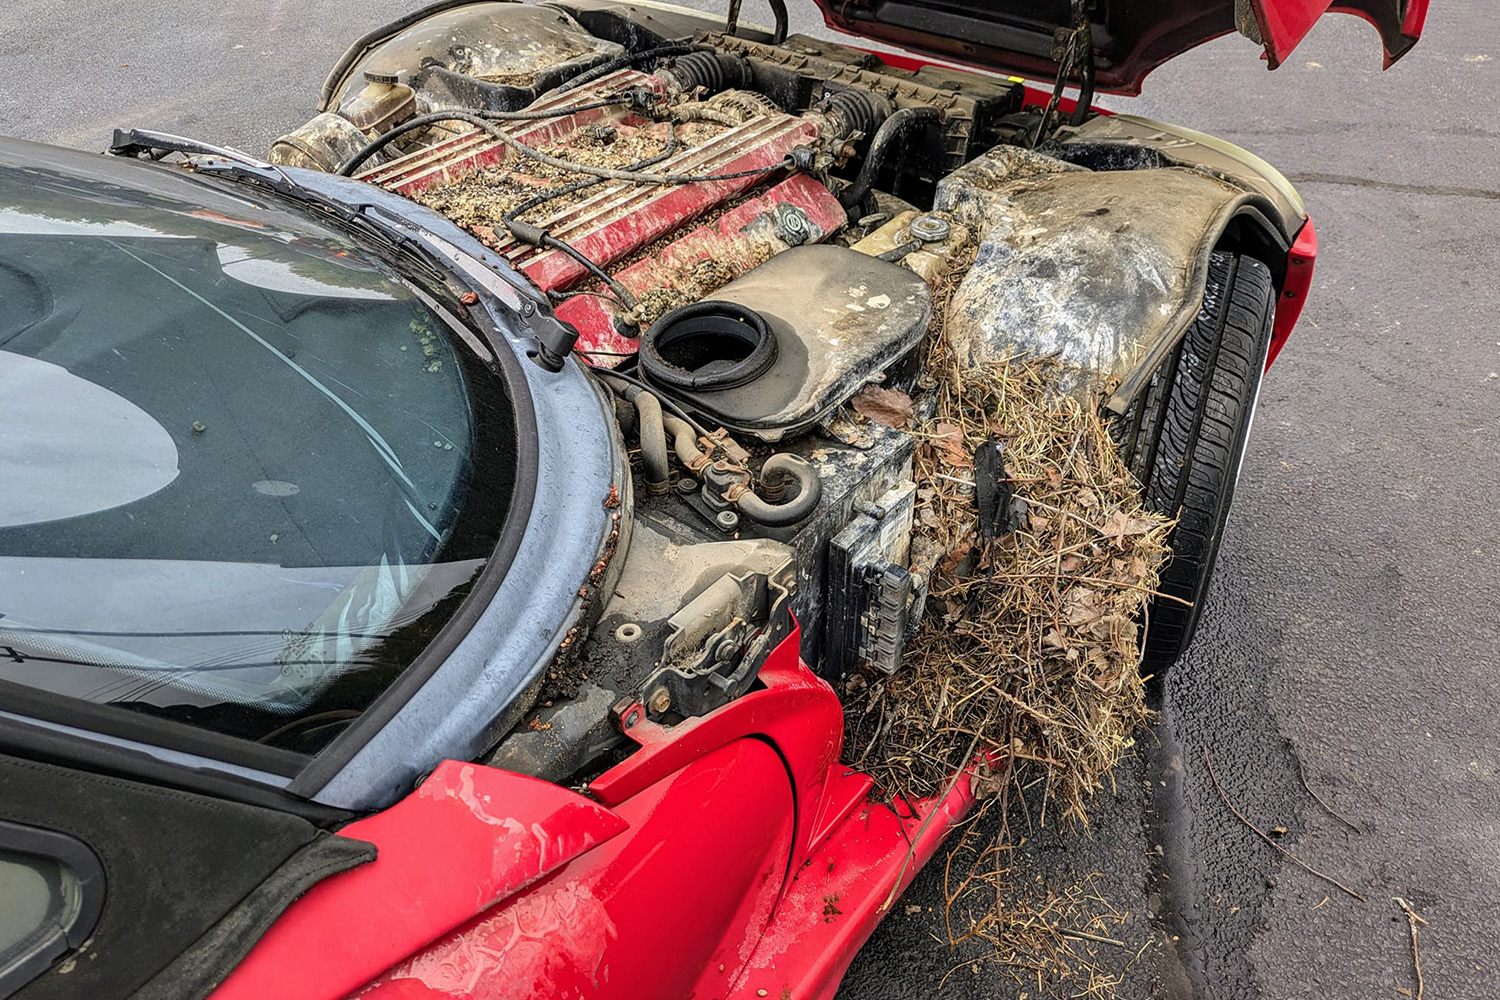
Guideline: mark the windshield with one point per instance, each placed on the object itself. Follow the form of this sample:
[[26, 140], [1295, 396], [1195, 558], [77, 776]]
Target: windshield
[[246, 473]]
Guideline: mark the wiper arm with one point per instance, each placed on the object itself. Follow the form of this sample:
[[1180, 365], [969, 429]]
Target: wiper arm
[[413, 257], [133, 142]]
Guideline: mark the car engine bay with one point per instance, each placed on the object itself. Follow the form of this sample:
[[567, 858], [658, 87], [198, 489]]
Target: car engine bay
[[750, 238]]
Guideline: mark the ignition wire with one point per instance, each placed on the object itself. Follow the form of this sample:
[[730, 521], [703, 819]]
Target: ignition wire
[[606, 173]]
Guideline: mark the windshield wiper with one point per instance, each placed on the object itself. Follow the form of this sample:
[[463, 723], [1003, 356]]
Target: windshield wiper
[[408, 255]]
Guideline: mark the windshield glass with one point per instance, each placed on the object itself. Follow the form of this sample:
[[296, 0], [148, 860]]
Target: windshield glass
[[246, 473]]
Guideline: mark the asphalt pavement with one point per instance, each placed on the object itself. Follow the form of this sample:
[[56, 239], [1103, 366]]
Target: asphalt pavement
[[1350, 647]]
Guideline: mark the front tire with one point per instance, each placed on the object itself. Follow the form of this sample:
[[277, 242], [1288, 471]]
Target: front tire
[[1186, 436]]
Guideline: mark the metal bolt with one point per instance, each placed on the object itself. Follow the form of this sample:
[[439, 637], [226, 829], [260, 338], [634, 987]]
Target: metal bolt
[[686, 485], [660, 701], [727, 519], [632, 719]]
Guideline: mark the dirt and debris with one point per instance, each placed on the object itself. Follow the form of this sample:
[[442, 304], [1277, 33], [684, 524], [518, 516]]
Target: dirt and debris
[[1032, 646], [481, 200], [1063, 940], [1026, 668]]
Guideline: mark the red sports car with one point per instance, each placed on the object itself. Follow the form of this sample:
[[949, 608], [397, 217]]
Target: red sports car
[[427, 554]]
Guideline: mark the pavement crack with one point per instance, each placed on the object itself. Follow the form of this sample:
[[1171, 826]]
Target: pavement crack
[[1443, 190]]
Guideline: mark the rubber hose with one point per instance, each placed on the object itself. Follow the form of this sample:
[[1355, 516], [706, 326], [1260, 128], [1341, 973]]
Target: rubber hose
[[685, 443], [893, 128], [715, 72], [629, 59], [653, 439], [781, 515]]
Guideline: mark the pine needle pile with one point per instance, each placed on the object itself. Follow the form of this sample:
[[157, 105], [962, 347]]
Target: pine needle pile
[[1028, 656]]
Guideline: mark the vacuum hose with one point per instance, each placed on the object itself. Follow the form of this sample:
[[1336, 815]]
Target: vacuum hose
[[781, 515], [895, 127], [653, 439], [685, 444]]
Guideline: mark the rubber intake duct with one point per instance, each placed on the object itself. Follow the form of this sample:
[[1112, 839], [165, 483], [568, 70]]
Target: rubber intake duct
[[713, 71]]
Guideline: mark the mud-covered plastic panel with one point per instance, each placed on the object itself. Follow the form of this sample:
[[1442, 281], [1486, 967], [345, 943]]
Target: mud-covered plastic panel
[[839, 316], [1104, 269]]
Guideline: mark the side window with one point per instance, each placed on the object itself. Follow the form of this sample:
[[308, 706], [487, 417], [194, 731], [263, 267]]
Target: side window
[[51, 890]]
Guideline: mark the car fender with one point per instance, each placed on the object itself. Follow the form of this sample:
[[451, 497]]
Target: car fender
[[1104, 268]]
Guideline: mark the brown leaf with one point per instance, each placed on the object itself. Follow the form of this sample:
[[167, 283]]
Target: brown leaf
[[1120, 526], [1081, 606], [891, 407], [949, 442], [950, 561]]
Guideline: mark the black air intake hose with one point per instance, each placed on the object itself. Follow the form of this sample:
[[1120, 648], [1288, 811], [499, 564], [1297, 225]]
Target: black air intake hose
[[855, 110], [895, 129], [715, 72]]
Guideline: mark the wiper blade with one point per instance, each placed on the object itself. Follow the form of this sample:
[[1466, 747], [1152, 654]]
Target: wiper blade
[[415, 260]]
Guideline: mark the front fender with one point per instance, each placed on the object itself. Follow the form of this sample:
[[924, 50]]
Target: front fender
[[1103, 268]]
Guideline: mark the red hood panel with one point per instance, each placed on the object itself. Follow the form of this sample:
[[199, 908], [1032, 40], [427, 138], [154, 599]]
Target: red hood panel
[[1131, 37]]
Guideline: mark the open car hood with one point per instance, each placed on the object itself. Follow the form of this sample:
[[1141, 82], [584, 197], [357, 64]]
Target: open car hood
[[1130, 37]]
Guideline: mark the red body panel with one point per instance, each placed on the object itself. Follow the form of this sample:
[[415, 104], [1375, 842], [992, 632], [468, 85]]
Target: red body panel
[[468, 837], [1284, 23], [729, 854], [660, 913], [1299, 272], [1130, 40]]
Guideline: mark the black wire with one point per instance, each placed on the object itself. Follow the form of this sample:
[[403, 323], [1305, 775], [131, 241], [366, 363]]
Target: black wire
[[576, 186], [422, 121], [621, 293], [604, 69], [666, 400], [629, 176]]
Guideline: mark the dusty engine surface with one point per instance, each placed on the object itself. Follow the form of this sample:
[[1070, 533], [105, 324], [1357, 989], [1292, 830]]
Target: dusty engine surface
[[734, 225]]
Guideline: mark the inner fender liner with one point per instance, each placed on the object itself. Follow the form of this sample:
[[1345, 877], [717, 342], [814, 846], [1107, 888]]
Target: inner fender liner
[[1104, 269]]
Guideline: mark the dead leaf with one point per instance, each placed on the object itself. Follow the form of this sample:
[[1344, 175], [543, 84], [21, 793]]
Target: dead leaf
[[1081, 606], [1121, 525], [891, 407], [951, 561], [948, 439]]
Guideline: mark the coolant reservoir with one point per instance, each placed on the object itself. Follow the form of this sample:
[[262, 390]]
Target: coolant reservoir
[[381, 105], [927, 243], [839, 320]]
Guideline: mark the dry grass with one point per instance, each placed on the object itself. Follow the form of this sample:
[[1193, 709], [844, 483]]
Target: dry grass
[[1030, 651], [1064, 941], [1028, 659]]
